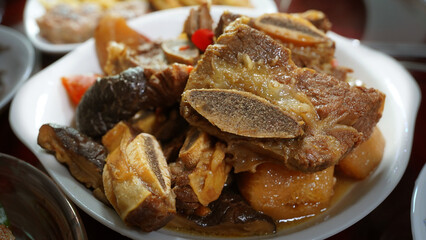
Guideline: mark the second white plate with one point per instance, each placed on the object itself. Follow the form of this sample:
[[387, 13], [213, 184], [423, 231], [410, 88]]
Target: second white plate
[[34, 9]]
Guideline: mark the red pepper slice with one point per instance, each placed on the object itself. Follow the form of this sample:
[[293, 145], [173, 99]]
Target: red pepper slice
[[77, 85], [190, 68], [202, 38], [183, 48], [334, 63]]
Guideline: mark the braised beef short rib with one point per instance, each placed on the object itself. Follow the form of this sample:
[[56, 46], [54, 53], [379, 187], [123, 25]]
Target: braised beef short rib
[[334, 116]]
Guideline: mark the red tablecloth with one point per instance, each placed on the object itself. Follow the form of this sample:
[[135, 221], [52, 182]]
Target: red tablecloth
[[391, 220]]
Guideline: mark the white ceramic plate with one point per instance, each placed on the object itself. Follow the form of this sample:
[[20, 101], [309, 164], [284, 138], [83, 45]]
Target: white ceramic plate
[[34, 9], [418, 207], [43, 100], [17, 59]]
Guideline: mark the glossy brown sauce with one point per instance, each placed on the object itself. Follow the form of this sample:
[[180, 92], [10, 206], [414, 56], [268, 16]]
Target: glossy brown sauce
[[342, 187]]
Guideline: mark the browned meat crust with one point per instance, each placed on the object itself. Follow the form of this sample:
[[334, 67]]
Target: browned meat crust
[[318, 56], [337, 117]]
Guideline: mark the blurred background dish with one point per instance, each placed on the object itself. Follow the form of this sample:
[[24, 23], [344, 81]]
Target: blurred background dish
[[17, 58], [34, 205], [418, 207], [50, 37]]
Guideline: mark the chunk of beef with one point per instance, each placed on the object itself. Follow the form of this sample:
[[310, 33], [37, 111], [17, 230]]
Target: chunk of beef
[[186, 200], [336, 117], [309, 46], [317, 18], [137, 182], [199, 173], [302, 33], [121, 57], [225, 19]]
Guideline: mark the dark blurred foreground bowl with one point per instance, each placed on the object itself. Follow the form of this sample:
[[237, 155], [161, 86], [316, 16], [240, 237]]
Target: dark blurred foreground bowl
[[35, 206]]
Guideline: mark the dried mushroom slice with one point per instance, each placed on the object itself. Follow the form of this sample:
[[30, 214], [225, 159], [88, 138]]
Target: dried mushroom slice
[[242, 113], [84, 157], [290, 28], [137, 183], [110, 100], [233, 213], [115, 98]]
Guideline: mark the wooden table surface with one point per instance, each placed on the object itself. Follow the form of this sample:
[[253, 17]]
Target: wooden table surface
[[390, 220]]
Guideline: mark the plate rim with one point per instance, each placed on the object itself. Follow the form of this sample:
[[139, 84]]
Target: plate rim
[[30, 64]]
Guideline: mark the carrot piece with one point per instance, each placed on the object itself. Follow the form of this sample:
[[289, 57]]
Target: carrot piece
[[115, 28], [183, 48], [189, 67], [77, 85]]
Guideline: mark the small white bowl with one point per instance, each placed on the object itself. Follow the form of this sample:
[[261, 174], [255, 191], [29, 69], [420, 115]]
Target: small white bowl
[[17, 59]]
